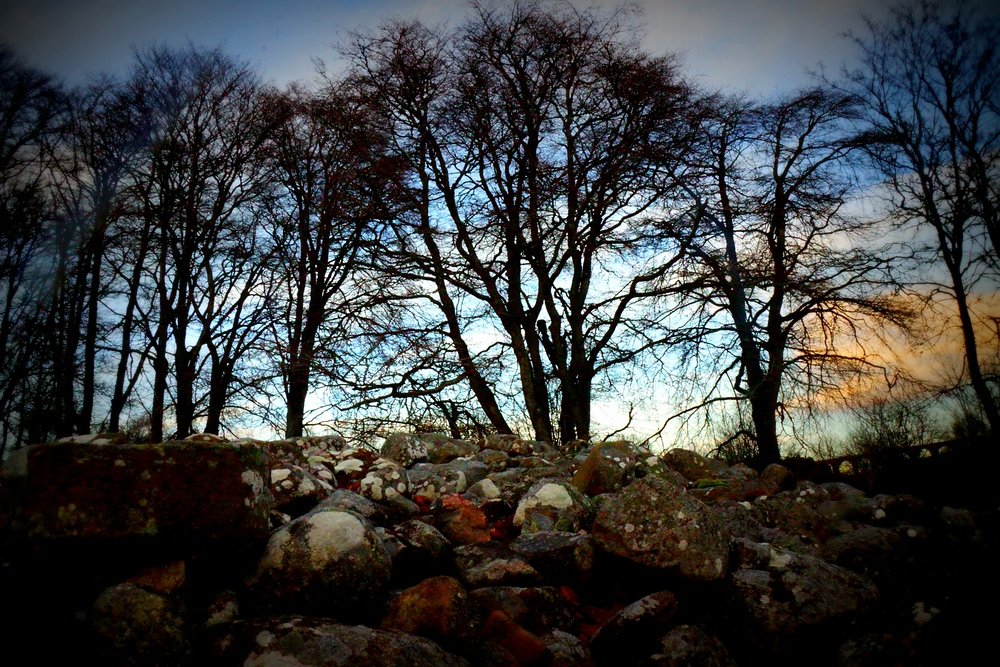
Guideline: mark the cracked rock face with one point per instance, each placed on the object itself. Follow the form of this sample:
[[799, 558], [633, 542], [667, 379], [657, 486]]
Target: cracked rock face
[[658, 525], [330, 562]]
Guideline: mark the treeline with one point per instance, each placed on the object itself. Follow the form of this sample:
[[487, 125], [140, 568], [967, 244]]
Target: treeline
[[485, 230]]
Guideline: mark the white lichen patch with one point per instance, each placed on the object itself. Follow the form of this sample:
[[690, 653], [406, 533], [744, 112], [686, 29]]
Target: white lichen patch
[[279, 475], [488, 489], [550, 495], [629, 528], [681, 516], [256, 484], [119, 463], [265, 638], [332, 534], [779, 560], [274, 553], [879, 514], [350, 465], [652, 461], [371, 486], [745, 504], [910, 532], [922, 614], [682, 545], [287, 484], [718, 566], [306, 486]]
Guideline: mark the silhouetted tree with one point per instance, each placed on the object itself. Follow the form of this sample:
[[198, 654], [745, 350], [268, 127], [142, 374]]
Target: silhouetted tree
[[539, 139], [929, 84], [32, 109], [781, 280]]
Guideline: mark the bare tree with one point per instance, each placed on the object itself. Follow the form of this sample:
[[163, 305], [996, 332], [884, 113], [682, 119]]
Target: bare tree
[[203, 173], [781, 279], [336, 187], [539, 140], [32, 109], [930, 87]]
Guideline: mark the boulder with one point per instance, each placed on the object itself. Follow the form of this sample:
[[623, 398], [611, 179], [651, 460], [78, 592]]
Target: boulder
[[608, 467], [328, 562], [404, 449], [692, 465], [785, 602], [438, 608], [565, 558], [133, 626], [688, 645], [631, 634], [300, 641], [492, 564], [551, 504], [539, 609], [657, 525], [176, 492]]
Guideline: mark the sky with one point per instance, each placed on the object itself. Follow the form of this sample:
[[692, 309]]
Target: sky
[[762, 47]]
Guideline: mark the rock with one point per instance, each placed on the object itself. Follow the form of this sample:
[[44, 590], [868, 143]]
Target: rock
[[423, 551], [432, 481], [493, 459], [183, 492], [656, 525], [513, 483], [509, 444], [492, 564], [872, 650], [163, 579], [350, 466], [609, 467], [296, 490], [438, 608], [692, 465], [329, 562], [565, 558], [291, 642], [566, 650], [462, 522], [133, 626], [688, 645], [785, 602], [404, 449], [353, 502], [538, 609], [448, 449], [631, 634], [526, 647], [870, 551], [552, 505], [384, 480]]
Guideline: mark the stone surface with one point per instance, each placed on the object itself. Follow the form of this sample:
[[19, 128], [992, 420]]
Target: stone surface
[[178, 492], [565, 558], [550, 504], [329, 562], [493, 564], [656, 525], [631, 634], [297, 642], [438, 608], [134, 626], [404, 449], [689, 645], [608, 467]]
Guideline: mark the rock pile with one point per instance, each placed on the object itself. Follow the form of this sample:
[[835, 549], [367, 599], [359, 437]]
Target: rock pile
[[437, 551]]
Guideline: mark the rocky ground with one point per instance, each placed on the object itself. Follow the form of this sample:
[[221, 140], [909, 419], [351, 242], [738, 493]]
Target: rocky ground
[[436, 551]]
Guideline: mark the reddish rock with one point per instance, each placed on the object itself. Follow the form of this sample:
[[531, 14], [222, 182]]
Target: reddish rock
[[608, 467], [526, 647], [438, 608], [181, 491], [462, 522], [162, 579]]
